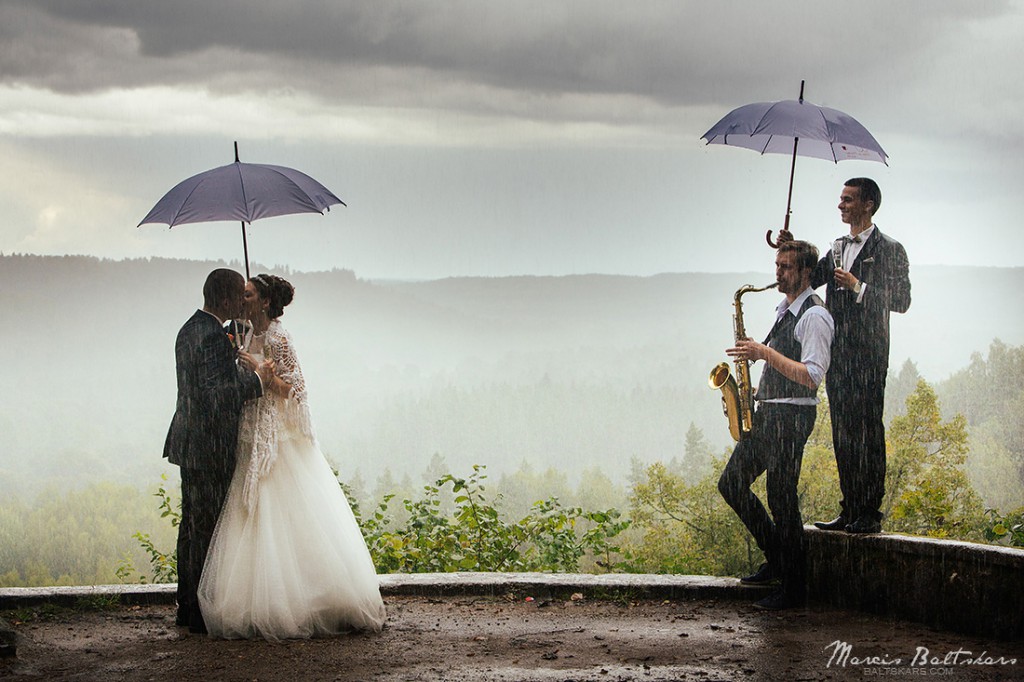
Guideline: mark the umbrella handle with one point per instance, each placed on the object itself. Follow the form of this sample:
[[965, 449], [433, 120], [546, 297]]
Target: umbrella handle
[[785, 226]]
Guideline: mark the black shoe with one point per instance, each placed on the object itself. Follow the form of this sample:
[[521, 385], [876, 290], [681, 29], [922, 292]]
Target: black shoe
[[838, 523], [777, 601], [764, 575], [864, 526]]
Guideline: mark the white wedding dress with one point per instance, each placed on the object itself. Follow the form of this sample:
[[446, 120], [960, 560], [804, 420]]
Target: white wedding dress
[[287, 559]]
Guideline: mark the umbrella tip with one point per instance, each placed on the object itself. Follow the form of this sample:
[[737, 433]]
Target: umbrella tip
[[236, 141], [801, 99]]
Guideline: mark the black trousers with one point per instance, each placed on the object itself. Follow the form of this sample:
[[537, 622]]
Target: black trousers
[[776, 446], [858, 437], [203, 492]]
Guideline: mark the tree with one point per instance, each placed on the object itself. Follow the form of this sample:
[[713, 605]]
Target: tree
[[523, 488], [386, 487], [696, 456], [385, 484], [927, 488], [637, 471], [597, 491], [76, 536], [356, 490], [687, 528], [436, 468], [993, 469], [990, 394], [898, 388]]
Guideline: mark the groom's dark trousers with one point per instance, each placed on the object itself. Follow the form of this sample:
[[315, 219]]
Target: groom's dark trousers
[[201, 441]]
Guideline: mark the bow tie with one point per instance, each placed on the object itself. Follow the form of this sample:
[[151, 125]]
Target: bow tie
[[847, 239]]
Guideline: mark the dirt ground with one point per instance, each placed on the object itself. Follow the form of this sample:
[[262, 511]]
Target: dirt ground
[[514, 640]]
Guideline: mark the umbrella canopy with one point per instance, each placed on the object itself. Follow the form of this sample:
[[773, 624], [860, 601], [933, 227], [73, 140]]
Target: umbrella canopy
[[772, 127], [796, 127], [243, 192]]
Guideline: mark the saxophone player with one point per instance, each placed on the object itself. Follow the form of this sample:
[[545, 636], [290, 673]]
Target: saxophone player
[[797, 353]]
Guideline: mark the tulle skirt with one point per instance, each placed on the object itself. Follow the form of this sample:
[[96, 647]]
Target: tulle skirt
[[296, 566]]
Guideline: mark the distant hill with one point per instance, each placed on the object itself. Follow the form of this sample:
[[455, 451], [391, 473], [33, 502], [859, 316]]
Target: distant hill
[[571, 371]]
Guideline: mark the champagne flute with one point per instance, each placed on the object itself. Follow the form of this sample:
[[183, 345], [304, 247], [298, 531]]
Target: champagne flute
[[837, 255]]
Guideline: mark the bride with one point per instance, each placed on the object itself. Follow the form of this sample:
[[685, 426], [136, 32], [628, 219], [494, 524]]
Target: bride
[[287, 559]]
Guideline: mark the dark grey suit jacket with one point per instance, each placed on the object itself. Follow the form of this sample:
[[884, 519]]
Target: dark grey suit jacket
[[211, 391], [861, 346]]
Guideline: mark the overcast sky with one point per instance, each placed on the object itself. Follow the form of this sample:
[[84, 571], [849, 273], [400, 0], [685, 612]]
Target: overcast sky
[[487, 138]]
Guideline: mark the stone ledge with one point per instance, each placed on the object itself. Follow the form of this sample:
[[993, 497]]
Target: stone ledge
[[563, 585], [952, 585], [538, 585]]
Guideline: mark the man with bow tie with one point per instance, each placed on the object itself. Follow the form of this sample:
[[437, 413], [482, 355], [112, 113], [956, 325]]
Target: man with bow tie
[[867, 276]]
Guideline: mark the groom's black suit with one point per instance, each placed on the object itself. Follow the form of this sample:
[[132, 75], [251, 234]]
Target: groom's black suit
[[860, 362], [202, 440]]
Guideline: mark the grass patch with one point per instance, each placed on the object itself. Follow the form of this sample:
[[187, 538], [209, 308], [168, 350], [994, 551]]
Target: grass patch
[[97, 602]]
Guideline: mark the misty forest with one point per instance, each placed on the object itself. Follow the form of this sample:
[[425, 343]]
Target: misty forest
[[495, 424]]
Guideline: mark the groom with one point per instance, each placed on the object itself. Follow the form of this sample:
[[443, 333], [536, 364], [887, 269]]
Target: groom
[[212, 386]]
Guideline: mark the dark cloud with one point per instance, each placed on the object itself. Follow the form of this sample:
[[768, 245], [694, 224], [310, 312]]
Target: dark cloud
[[672, 52]]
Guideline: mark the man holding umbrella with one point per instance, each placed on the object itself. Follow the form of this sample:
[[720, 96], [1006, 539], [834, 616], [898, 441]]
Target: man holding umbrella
[[867, 276]]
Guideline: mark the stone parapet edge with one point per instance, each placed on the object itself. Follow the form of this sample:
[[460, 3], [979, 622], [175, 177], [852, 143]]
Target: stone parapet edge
[[537, 585]]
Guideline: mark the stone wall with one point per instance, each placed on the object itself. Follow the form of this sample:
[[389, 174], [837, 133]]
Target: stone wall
[[959, 586], [950, 585]]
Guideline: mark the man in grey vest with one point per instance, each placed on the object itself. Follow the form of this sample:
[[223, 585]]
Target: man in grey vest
[[797, 353]]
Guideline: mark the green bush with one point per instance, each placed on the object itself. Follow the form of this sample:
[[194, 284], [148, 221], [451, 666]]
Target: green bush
[[472, 537]]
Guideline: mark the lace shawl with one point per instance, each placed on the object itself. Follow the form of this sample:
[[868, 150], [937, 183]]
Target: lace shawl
[[270, 419]]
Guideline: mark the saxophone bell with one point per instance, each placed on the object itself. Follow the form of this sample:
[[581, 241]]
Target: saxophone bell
[[721, 379]]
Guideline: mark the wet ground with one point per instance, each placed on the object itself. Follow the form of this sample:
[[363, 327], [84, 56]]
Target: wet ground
[[512, 639]]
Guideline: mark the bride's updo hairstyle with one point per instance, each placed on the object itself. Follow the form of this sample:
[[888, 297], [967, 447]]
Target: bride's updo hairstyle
[[275, 289]]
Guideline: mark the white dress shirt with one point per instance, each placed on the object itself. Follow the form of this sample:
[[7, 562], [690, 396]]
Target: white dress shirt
[[851, 250]]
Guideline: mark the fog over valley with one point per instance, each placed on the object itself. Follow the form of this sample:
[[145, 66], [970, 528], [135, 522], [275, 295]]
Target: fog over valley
[[571, 372]]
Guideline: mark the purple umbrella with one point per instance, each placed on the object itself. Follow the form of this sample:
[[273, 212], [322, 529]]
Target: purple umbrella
[[783, 127], [244, 192]]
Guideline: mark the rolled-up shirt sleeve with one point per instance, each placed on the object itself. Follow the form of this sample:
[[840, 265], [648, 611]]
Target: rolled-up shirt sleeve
[[814, 331]]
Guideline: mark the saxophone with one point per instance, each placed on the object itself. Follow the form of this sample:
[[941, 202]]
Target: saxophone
[[737, 394]]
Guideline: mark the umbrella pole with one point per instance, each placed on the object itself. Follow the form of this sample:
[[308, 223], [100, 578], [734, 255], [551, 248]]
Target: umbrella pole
[[245, 244], [792, 167], [792, 172], [245, 249], [789, 198]]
